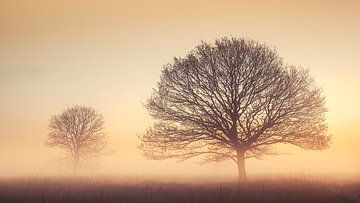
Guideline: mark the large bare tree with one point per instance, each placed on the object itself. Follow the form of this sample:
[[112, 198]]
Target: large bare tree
[[233, 100], [78, 132]]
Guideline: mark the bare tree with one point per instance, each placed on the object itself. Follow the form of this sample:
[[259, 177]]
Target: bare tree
[[78, 131], [233, 100]]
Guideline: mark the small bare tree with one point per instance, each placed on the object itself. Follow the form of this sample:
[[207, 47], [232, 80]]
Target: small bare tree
[[233, 100], [78, 131]]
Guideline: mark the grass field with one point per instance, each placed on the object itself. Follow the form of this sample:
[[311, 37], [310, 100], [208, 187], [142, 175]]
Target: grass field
[[64, 189]]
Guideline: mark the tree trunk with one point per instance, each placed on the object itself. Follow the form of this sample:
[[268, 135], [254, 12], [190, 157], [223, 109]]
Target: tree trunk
[[241, 165], [75, 168], [75, 165]]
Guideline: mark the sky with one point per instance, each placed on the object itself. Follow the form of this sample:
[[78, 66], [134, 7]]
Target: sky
[[109, 54]]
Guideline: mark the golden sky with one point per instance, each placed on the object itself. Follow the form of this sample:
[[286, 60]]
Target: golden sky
[[108, 54]]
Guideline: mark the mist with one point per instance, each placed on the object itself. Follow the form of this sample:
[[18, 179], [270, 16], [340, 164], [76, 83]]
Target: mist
[[111, 56]]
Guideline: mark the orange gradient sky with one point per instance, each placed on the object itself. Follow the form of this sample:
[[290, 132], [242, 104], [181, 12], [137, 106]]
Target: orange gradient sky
[[109, 54]]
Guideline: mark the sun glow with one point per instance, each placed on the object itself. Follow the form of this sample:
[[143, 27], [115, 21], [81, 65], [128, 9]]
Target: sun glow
[[109, 55]]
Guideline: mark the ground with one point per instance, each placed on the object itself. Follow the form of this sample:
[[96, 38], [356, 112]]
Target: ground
[[37, 189]]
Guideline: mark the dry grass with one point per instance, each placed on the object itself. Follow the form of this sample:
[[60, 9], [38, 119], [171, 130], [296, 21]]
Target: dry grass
[[114, 190]]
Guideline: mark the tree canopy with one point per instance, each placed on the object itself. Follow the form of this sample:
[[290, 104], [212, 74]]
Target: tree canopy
[[78, 132], [233, 100]]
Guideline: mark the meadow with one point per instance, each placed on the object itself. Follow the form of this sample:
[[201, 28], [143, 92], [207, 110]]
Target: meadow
[[90, 189]]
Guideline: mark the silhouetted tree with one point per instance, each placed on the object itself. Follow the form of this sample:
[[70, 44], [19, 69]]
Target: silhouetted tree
[[233, 100], [78, 131]]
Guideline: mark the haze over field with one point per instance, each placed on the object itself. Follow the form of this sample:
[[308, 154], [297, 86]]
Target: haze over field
[[109, 55]]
